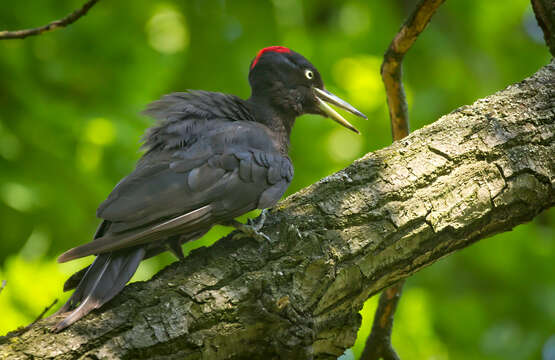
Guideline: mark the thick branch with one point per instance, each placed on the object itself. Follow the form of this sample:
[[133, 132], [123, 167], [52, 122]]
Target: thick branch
[[480, 170], [69, 19]]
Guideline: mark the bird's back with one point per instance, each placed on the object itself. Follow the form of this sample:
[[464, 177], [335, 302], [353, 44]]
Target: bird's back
[[201, 138]]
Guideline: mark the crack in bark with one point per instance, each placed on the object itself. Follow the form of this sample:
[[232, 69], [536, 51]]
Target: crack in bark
[[440, 153]]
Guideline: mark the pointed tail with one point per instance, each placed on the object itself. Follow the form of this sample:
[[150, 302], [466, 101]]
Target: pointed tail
[[105, 277]]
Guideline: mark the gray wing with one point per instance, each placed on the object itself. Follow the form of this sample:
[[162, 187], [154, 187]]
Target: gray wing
[[232, 168]]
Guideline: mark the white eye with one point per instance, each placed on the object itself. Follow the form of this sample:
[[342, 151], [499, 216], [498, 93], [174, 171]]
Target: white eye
[[309, 74]]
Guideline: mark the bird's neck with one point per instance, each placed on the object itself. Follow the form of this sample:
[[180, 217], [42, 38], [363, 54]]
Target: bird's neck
[[277, 118]]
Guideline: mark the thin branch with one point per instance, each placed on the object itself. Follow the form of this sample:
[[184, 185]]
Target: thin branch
[[69, 19], [545, 15], [23, 330], [391, 67], [3, 285], [41, 315], [378, 344]]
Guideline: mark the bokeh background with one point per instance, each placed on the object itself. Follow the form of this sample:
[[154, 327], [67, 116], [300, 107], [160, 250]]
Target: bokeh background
[[70, 128]]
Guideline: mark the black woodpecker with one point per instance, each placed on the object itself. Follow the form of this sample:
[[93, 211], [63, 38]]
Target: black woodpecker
[[211, 158]]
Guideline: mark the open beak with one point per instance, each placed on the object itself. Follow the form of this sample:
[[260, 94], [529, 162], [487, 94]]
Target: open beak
[[323, 97]]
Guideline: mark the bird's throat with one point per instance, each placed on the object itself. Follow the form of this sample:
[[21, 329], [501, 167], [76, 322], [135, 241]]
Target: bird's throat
[[279, 120]]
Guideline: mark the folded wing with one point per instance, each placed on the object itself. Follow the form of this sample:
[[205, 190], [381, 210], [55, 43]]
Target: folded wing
[[230, 170]]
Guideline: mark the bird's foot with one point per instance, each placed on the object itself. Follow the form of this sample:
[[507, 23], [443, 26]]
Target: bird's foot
[[252, 229], [262, 219]]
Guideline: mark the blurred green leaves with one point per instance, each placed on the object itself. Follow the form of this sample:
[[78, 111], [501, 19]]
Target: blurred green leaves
[[167, 31], [360, 76], [18, 197], [9, 144], [31, 285], [98, 132]]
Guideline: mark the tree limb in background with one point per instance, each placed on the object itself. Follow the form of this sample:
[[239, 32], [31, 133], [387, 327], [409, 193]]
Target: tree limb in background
[[69, 19], [378, 344], [481, 170], [545, 15], [3, 285], [391, 67]]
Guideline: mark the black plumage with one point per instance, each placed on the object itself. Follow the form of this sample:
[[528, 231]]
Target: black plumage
[[211, 158]]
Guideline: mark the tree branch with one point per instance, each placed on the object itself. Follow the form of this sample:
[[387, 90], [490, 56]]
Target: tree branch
[[480, 170], [545, 15], [391, 68], [69, 19], [378, 343]]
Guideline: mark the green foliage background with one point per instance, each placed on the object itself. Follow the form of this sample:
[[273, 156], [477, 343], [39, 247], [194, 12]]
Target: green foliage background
[[70, 129]]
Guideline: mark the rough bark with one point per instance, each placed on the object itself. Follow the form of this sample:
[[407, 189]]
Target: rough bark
[[480, 170]]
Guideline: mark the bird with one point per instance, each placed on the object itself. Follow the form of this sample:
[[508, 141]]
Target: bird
[[209, 158]]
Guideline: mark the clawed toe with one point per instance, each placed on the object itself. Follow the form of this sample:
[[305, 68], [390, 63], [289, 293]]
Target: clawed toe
[[252, 229]]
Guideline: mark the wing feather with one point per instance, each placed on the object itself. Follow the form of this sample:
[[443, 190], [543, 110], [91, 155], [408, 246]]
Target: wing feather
[[206, 187], [113, 242]]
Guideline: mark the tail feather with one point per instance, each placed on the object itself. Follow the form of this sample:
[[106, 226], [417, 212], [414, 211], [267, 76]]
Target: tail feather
[[105, 277], [72, 282], [113, 242], [75, 279]]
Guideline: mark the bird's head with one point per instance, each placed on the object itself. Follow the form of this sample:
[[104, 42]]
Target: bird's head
[[287, 81]]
